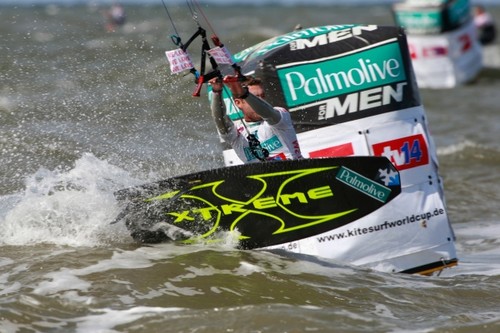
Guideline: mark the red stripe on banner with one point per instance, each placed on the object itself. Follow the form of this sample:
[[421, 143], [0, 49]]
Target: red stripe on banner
[[404, 153], [278, 157], [341, 150]]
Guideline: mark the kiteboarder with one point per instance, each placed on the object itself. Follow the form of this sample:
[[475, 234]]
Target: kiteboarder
[[485, 25], [267, 132], [115, 17]]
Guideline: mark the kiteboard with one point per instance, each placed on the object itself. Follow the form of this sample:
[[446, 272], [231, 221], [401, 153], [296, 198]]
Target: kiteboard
[[265, 203]]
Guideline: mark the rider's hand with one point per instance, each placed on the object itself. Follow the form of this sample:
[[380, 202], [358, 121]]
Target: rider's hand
[[216, 84]]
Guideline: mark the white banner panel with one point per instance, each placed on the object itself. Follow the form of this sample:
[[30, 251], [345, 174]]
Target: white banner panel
[[405, 144], [414, 226], [331, 141], [446, 60]]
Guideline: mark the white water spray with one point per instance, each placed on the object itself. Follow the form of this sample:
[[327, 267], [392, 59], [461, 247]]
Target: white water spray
[[67, 207]]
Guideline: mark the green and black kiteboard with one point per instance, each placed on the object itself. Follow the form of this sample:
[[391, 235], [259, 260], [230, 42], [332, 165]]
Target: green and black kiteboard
[[266, 203]]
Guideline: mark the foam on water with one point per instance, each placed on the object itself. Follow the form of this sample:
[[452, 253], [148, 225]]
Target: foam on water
[[107, 319], [491, 56], [66, 207], [456, 147], [477, 249]]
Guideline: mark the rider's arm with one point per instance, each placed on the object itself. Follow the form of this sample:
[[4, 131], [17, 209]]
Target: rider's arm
[[264, 109]]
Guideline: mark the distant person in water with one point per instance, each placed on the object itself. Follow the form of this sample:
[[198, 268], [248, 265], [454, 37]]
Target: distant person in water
[[485, 25], [271, 126], [115, 17]]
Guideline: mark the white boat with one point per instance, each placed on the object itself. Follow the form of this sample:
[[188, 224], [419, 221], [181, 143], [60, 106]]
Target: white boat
[[443, 41], [368, 193]]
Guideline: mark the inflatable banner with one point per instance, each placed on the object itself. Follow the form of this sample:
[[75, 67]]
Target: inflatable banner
[[351, 91], [446, 60], [433, 17], [443, 41]]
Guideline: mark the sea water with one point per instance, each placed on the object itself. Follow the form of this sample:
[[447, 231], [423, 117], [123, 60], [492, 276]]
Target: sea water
[[85, 112]]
